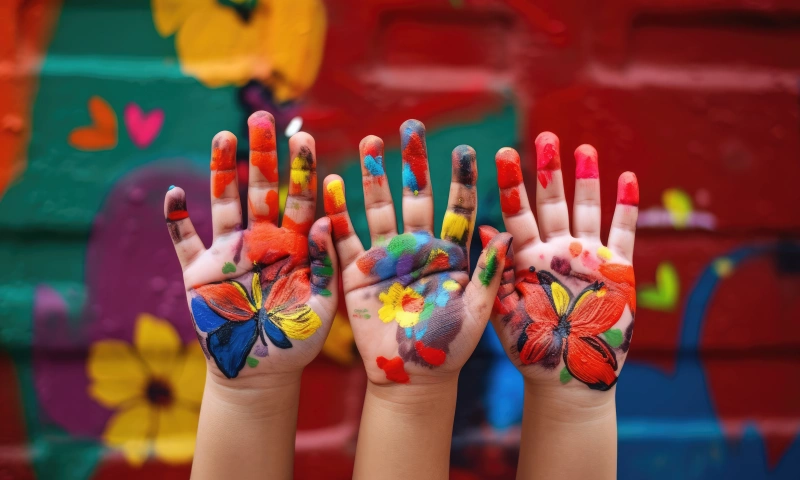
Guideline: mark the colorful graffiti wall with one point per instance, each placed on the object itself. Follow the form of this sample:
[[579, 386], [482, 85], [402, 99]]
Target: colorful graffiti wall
[[105, 104]]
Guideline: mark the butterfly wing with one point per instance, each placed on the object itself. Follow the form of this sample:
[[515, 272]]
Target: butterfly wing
[[230, 344]]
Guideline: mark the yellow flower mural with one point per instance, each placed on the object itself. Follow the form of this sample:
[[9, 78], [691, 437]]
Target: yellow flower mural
[[230, 42], [154, 387]]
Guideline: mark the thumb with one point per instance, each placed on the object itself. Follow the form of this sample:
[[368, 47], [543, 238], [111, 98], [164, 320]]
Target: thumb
[[324, 268], [481, 292]]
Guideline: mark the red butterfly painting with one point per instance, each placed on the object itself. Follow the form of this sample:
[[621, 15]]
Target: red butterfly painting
[[555, 325]]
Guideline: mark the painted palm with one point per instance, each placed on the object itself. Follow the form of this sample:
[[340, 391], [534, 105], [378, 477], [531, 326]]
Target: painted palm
[[263, 294], [413, 309], [569, 313]]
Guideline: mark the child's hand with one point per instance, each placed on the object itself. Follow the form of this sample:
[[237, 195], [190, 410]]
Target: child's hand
[[259, 305], [570, 319], [415, 314]]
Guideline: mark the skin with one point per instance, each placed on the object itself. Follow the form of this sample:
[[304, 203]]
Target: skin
[[248, 422], [410, 409], [569, 429]]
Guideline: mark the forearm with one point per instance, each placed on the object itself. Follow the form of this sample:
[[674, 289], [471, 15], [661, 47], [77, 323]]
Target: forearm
[[247, 433], [574, 439], [406, 431]]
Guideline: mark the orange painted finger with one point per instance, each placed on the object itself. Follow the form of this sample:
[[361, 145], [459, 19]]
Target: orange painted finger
[[301, 203], [517, 214], [623, 226], [262, 192], [348, 245], [226, 211]]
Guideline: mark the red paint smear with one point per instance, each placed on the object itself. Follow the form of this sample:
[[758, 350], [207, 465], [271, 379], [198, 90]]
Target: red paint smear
[[547, 157], [367, 261], [262, 145], [439, 263], [416, 158], [341, 227], [622, 277], [486, 233], [272, 204], [223, 154], [299, 227], [267, 244], [628, 189], [498, 307], [509, 173], [510, 201], [393, 368], [575, 249], [586, 163], [221, 181], [177, 215], [433, 356], [411, 304], [372, 146]]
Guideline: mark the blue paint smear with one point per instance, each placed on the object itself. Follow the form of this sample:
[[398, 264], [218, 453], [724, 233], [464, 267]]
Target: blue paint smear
[[230, 346], [206, 319], [374, 165], [409, 180]]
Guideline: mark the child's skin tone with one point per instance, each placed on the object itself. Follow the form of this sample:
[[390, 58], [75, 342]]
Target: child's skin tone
[[569, 342], [263, 300], [416, 314]]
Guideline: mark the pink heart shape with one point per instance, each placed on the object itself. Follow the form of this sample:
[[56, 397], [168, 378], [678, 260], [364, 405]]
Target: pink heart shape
[[142, 127]]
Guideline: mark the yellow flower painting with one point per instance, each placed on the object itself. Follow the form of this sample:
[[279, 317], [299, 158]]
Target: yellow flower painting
[[154, 387], [230, 42]]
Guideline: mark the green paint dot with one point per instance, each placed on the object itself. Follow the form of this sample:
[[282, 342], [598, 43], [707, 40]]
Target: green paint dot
[[401, 244], [325, 292], [613, 337], [252, 362], [228, 268], [565, 376]]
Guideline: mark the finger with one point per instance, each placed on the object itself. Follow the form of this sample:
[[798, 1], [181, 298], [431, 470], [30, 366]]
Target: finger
[[262, 191], [187, 243], [348, 246], [517, 213], [506, 297], [377, 197], [551, 206], [481, 291], [324, 281], [623, 226], [417, 193], [586, 210], [301, 203], [226, 211], [459, 219]]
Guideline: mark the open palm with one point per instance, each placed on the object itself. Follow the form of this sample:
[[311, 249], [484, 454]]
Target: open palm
[[568, 315], [414, 311], [262, 298]]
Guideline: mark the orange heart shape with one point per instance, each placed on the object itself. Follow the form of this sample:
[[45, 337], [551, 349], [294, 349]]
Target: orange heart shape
[[102, 133]]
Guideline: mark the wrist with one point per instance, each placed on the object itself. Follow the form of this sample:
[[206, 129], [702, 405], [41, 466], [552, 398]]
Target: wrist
[[563, 404], [428, 398], [261, 396]]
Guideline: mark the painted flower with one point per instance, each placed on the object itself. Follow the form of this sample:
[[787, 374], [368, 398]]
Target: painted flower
[[560, 326], [230, 42], [154, 388], [235, 319]]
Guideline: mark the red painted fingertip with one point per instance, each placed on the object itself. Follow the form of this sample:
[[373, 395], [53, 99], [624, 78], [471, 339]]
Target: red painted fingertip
[[628, 189], [586, 162], [486, 233]]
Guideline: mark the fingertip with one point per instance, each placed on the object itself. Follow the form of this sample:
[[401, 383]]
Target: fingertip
[[175, 204], [486, 233], [547, 151], [301, 139], [628, 189], [262, 119], [412, 126], [509, 173], [465, 169], [334, 196], [223, 151], [586, 162], [371, 145]]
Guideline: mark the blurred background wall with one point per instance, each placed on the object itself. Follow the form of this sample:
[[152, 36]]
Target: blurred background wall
[[104, 104]]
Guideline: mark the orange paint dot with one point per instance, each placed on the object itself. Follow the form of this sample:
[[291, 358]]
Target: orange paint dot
[[575, 249]]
